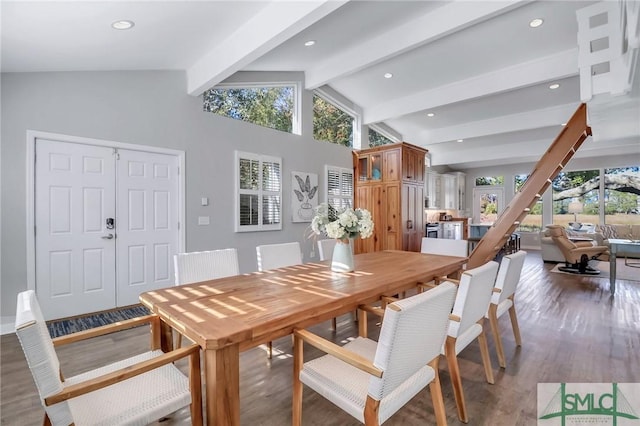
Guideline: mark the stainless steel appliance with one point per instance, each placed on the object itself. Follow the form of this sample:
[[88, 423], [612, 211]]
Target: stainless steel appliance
[[433, 230], [452, 230]]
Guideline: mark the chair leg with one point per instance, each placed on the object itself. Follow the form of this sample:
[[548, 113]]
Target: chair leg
[[514, 324], [298, 360], [334, 324], [46, 421], [178, 340], [363, 330], [436, 395], [493, 321], [270, 349], [486, 359], [456, 380], [371, 412]]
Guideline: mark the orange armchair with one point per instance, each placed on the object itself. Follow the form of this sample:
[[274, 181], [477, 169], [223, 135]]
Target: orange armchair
[[577, 254]]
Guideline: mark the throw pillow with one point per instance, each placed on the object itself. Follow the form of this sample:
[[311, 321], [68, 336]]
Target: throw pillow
[[608, 231]]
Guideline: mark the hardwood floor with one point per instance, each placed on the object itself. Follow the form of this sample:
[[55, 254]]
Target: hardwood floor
[[572, 329]]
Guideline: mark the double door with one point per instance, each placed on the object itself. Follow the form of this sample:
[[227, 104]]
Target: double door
[[106, 225]]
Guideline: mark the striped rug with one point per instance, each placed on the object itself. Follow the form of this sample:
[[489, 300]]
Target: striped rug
[[62, 327]]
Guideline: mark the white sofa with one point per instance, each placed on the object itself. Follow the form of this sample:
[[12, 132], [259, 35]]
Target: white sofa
[[550, 252]]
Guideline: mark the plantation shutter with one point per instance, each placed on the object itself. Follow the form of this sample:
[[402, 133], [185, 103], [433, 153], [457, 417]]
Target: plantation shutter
[[339, 187], [259, 192]]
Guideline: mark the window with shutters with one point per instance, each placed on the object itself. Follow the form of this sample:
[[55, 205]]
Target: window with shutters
[[339, 187], [259, 192]]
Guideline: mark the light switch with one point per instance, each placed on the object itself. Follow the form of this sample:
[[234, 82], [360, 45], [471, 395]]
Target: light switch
[[204, 201], [203, 220]]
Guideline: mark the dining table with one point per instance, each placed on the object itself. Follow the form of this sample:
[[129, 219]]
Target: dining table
[[619, 245], [229, 315]]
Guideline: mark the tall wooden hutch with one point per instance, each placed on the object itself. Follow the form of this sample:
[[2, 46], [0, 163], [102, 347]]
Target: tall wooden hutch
[[389, 182]]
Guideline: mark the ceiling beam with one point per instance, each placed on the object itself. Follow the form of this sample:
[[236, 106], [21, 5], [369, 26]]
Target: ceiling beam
[[275, 23], [427, 28], [552, 67], [529, 120]]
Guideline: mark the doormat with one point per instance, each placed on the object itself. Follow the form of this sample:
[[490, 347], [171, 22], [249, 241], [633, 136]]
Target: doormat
[[623, 272], [66, 326]]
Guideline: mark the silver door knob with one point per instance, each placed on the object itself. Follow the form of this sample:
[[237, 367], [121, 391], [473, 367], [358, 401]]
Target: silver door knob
[[107, 237]]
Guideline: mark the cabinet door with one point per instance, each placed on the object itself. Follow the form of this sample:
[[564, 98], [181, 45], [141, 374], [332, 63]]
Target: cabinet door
[[412, 216], [412, 165], [371, 197], [391, 166], [392, 215]]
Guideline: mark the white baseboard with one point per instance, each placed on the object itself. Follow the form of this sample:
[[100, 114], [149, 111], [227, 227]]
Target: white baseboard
[[7, 325]]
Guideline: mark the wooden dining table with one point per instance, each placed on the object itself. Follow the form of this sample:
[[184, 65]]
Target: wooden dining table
[[229, 315]]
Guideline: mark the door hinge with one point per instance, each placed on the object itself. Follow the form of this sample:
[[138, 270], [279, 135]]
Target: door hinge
[[116, 153], [178, 225]]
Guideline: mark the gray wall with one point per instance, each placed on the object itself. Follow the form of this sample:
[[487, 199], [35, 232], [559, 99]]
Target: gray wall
[[148, 108]]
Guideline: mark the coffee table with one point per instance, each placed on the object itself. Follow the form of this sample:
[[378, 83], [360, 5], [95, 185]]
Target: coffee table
[[615, 246]]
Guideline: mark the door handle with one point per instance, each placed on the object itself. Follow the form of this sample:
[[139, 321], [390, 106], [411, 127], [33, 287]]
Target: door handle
[[107, 237]]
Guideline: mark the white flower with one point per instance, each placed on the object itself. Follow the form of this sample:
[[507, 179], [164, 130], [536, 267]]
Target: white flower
[[346, 223]]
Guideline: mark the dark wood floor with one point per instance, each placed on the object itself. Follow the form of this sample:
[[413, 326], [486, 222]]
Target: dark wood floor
[[572, 331]]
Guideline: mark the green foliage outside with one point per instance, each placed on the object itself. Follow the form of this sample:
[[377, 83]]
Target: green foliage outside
[[490, 181], [376, 139], [265, 106], [331, 124]]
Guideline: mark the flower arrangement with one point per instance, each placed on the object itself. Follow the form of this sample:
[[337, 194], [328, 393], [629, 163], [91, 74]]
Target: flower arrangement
[[343, 224]]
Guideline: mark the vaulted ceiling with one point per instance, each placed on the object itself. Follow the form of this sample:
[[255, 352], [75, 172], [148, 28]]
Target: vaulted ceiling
[[477, 66]]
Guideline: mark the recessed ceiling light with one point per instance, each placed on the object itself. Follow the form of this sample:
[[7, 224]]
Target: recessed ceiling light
[[563, 124], [535, 23], [309, 43], [122, 25], [388, 75], [430, 114], [460, 140], [554, 86]]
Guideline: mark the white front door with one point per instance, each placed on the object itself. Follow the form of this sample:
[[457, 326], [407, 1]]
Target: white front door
[[107, 225], [487, 204], [147, 213], [75, 259]]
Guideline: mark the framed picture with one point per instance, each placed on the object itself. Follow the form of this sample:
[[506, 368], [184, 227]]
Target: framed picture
[[304, 197]]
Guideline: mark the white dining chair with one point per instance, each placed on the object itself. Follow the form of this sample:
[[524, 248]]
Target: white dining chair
[[325, 252], [325, 248], [466, 325], [197, 266], [445, 247], [134, 391], [372, 380], [503, 299], [274, 256]]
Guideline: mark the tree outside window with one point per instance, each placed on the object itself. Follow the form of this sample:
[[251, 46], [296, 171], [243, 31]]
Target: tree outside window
[[331, 124], [532, 222], [377, 139], [622, 196], [577, 187], [271, 107]]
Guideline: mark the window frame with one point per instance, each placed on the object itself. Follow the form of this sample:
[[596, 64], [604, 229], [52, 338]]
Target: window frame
[[341, 171], [296, 119], [241, 155]]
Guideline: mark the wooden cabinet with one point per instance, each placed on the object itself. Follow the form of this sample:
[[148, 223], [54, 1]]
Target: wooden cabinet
[[394, 196]]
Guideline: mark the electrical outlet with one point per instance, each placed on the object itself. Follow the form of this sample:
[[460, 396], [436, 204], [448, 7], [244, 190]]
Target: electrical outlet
[[203, 220]]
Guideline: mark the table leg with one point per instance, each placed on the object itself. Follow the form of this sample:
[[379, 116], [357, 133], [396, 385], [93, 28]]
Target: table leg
[[612, 269], [166, 337], [222, 384]]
